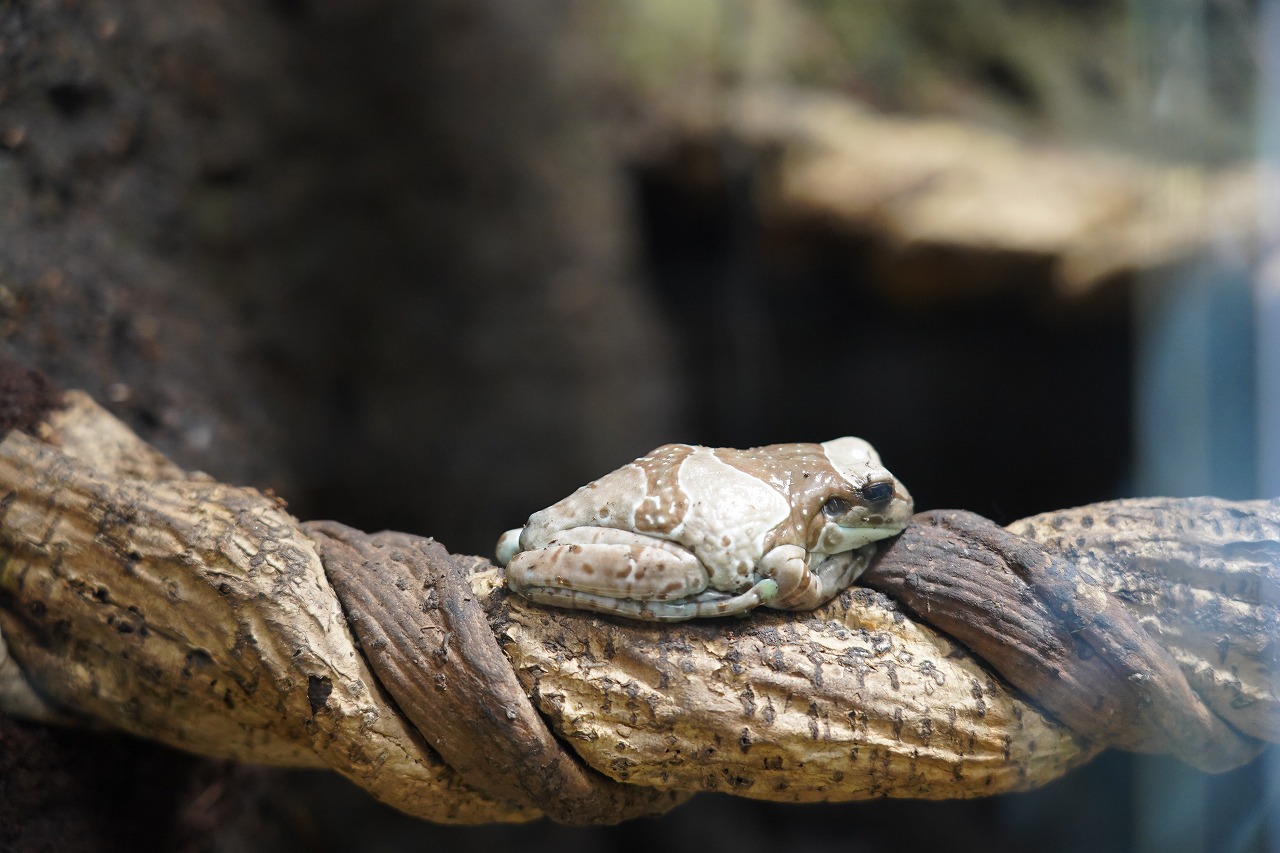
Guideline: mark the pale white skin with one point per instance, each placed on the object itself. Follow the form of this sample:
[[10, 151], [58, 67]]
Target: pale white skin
[[690, 531]]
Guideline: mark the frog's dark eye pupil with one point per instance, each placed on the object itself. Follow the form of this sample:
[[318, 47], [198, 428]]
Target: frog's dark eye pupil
[[876, 492], [836, 507]]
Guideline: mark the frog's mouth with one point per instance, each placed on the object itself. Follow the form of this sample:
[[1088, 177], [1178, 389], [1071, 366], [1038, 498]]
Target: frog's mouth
[[835, 539]]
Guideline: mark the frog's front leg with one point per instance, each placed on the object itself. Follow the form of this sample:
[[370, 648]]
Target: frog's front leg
[[801, 587]]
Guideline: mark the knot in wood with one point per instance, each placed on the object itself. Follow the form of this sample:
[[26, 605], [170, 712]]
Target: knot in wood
[[429, 641], [1044, 610]]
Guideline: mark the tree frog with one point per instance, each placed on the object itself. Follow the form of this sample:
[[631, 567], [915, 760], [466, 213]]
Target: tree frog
[[690, 531]]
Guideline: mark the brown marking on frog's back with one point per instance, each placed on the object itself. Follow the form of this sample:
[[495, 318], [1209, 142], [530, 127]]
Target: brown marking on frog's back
[[665, 503], [804, 475]]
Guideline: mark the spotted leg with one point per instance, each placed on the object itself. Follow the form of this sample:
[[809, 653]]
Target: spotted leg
[[630, 574], [710, 603]]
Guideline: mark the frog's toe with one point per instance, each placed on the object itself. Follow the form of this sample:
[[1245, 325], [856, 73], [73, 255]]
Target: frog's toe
[[708, 604], [767, 590], [711, 603], [508, 545]]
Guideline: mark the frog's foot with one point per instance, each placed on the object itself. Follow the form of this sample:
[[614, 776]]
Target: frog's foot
[[803, 588], [709, 603], [609, 564], [508, 545]]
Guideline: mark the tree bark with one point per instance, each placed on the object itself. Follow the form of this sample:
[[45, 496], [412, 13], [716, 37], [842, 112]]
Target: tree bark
[[204, 616]]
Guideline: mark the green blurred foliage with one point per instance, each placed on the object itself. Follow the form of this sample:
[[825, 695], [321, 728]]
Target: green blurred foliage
[[1165, 78]]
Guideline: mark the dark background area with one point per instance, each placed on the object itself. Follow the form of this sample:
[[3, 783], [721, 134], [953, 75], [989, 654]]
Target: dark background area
[[429, 266]]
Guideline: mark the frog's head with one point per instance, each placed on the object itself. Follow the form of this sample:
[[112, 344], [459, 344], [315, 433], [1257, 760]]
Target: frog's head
[[867, 504]]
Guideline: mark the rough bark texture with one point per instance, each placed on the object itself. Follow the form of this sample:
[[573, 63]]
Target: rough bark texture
[[1071, 637], [196, 614], [203, 616], [851, 701], [479, 719], [1195, 581]]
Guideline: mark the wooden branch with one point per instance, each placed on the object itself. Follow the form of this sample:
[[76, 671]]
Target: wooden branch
[[204, 616], [195, 614]]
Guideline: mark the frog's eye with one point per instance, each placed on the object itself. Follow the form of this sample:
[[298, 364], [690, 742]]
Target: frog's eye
[[836, 507], [874, 493]]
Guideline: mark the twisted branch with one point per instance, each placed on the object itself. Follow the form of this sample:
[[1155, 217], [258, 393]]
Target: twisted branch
[[972, 660]]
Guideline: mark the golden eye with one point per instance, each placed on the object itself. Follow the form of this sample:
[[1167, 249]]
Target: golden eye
[[836, 507]]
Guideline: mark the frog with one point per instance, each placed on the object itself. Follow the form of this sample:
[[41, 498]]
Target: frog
[[688, 531]]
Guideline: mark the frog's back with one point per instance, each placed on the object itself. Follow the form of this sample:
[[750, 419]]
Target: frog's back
[[686, 493], [643, 495], [800, 472]]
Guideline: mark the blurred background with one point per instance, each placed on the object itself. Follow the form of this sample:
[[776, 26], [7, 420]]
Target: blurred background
[[429, 265]]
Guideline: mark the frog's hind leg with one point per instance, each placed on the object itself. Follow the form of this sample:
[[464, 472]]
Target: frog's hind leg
[[626, 573], [704, 605], [801, 587], [608, 564]]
